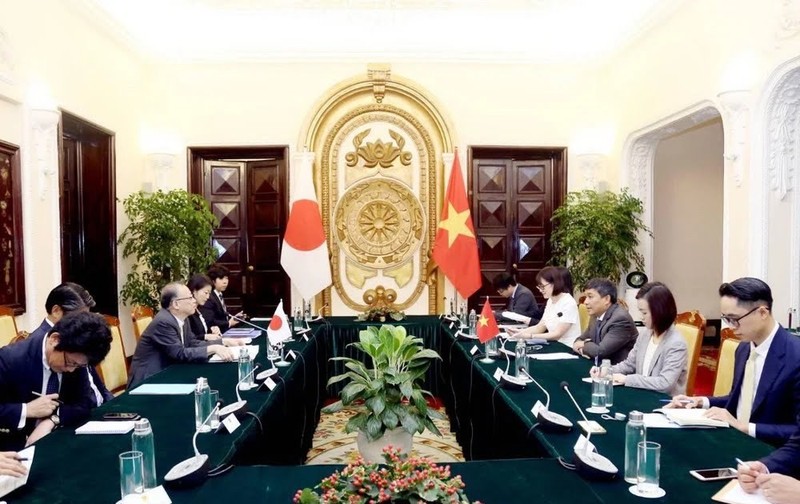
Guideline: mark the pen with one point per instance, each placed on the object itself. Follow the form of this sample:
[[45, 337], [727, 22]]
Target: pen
[[22, 459], [740, 462], [37, 394]]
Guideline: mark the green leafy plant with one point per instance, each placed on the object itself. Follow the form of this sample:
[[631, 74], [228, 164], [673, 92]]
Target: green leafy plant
[[403, 479], [381, 315], [169, 236], [596, 234], [389, 395]]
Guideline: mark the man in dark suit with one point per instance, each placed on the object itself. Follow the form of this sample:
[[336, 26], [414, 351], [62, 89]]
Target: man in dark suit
[[42, 380], [214, 310], [68, 298], [168, 340], [775, 474], [764, 400], [611, 333], [520, 299]]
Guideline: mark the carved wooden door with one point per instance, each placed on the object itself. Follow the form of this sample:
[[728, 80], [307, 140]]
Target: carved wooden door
[[514, 193]]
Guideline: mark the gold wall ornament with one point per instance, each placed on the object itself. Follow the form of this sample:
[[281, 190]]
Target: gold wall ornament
[[378, 152], [356, 275], [402, 274], [380, 297], [379, 73]]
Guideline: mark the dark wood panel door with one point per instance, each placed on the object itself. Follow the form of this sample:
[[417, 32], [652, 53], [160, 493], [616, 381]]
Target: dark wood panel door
[[513, 195], [12, 256], [249, 197], [88, 210]]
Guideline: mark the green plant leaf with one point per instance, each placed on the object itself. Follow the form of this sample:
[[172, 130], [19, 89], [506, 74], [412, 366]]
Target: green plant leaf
[[374, 428], [356, 423], [376, 404], [352, 392], [333, 407]]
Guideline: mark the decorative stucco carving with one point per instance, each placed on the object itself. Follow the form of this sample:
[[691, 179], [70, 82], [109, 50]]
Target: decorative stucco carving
[[782, 142]]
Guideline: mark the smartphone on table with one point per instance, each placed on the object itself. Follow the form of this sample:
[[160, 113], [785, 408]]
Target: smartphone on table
[[120, 416], [721, 473]]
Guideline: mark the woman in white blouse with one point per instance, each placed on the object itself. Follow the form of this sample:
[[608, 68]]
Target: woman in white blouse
[[560, 321], [658, 360]]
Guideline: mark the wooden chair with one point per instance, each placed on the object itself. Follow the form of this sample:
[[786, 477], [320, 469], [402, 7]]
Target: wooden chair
[[114, 368], [21, 335], [692, 325], [8, 326], [727, 352], [142, 316], [583, 316]]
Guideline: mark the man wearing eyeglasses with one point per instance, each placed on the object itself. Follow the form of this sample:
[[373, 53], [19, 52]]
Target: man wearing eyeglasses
[[168, 339], [43, 383], [520, 298], [764, 400]]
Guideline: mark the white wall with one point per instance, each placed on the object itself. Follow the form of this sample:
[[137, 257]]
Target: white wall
[[687, 216]]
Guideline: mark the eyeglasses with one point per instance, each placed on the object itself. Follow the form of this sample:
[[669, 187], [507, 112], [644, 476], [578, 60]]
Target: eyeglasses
[[184, 298], [68, 363], [734, 321], [542, 287]]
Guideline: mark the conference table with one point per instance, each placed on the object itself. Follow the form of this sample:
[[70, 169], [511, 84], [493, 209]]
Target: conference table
[[261, 459]]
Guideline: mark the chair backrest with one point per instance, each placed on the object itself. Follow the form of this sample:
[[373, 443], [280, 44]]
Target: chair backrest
[[114, 368], [583, 316], [142, 316], [727, 352], [8, 326], [692, 325]]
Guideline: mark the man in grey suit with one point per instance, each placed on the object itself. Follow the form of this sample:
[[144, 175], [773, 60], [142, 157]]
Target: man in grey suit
[[611, 333], [520, 298], [167, 339]]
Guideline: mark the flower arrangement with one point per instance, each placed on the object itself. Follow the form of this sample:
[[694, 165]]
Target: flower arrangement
[[403, 479], [381, 315]]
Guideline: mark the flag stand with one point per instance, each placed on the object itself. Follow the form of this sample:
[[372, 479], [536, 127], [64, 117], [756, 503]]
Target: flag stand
[[283, 362]]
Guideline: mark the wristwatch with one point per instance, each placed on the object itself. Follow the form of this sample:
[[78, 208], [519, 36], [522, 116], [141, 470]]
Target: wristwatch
[[55, 419]]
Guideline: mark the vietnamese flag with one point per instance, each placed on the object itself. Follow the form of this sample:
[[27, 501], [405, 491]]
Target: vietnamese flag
[[487, 325], [304, 255], [455, 249]]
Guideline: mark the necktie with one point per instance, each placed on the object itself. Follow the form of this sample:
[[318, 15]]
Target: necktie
[[52, 384], [748, 387], [222, 302]]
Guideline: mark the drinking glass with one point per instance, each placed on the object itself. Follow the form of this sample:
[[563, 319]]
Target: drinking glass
[[213, 422], [598, 393], [648, 467], [131, 475]]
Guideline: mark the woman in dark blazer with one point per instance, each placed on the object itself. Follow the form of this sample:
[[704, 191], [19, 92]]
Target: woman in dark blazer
[[200, 286]]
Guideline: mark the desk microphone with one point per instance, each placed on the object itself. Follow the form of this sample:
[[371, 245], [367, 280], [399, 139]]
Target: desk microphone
[[319, 316], [239, 408], [194, 470], [590, 464], [244, 321], [506, 380], [546, 418], [263, 375]]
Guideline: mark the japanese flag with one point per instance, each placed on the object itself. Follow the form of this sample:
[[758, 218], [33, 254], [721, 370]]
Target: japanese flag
[[278, 329]]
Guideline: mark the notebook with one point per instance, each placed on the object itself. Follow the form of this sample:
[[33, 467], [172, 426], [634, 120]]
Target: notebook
[[96, 427], [690, 417], [10, 483], [732, 493], [163, 389], [553, 356]]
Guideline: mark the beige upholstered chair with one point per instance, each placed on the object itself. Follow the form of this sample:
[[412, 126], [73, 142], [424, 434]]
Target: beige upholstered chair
[[142, 316], [692, 325], [727, 352], [114, 368], [8, 326], [583, 316]]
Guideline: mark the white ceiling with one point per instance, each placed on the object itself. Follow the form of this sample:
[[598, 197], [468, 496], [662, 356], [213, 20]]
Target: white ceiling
[[542, 31]]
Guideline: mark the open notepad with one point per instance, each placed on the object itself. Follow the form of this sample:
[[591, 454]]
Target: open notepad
[[10, 483], [96, 427], [163, 389], [510, 315], [732, 493], [690, 417], [552, 356], [251, 349]]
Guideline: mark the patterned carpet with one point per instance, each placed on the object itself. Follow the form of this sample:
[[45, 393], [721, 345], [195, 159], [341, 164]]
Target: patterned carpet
[[331, 445]]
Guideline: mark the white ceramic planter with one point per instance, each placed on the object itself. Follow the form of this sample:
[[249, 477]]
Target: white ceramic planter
[[372, 451]]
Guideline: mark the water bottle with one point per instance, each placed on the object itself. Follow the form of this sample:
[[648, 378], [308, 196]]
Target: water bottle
[[462, 314], [297, 322], [452, 307], [473, 322], [142, 440], [202, 404], [635, 433], [245, 370], [608, 381], [520, 359], [307, 311]]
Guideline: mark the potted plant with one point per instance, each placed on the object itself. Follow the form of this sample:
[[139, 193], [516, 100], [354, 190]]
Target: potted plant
[[403, 479], [596, 234], [388, 396], [381, 315], [169, 237]]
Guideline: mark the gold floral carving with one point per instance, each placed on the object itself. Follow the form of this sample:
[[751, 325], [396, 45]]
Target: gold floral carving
[[357, 275], [379, 223], [402, 274], [380, 297], [378, 152]]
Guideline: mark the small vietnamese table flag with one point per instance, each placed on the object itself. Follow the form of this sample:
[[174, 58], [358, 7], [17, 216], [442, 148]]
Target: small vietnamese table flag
[[487, 325], [455, 249]]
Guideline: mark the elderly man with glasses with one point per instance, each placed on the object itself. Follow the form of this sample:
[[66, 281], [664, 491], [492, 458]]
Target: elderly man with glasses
[[764, 400], [39, 386], [168, 339]]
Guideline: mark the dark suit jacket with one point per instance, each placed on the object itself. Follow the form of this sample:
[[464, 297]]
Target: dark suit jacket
[[524, 303], [160, 346], [786, 459], [43, 329], [198, 332], [617, 335], [21, 373], [776, 405], [214, 313]]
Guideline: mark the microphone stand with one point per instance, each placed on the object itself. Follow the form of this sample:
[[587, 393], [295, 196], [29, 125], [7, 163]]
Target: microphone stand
[[590, 464], [547, 418], [238, 408], [194, 470], [507, 380], [267, 372]]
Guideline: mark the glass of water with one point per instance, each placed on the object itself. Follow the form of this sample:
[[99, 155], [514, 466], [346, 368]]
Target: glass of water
[[598, 393], [648, 468], [131, 475], [213, 422]]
